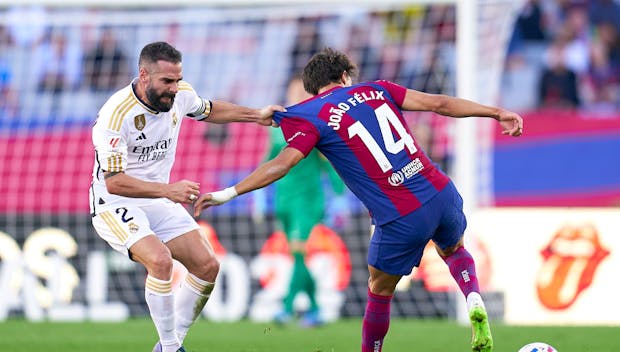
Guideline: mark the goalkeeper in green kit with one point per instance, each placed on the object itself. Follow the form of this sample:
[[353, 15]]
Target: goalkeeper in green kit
[[300, 205]]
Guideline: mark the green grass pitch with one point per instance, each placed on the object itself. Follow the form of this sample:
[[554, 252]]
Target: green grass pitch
[[341, 336]]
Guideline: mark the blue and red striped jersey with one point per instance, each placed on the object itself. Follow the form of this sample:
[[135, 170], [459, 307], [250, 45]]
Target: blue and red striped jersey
[[362, 132]]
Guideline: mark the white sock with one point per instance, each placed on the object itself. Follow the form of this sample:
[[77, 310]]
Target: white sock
[[160, 300], [190, 299], [474, 300]]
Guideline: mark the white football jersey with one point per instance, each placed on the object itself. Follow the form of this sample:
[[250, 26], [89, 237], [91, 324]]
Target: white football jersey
[[130, 137]]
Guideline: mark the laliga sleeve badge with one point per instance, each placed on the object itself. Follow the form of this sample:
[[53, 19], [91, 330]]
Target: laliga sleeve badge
[[113, 142]]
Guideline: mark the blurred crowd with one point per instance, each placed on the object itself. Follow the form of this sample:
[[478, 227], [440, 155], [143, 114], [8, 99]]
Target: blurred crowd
[[565, 54], [45, 50], [56, 67], [562, 54], [45, 64]]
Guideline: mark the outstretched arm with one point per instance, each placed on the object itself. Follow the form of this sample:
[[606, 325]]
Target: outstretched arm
[[511, 122], [121, 184], [266, 174], [224, 112]]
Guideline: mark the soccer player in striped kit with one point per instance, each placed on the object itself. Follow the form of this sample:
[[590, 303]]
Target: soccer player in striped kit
[[361, 130], [135, 208]]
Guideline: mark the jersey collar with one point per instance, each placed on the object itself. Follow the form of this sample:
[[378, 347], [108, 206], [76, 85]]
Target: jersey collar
[[146, 106]]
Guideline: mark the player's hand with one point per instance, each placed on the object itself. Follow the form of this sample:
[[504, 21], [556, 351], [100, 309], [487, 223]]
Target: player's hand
[[266, 114], [203, 202], [512, 123], [214, 198], [183, 191]]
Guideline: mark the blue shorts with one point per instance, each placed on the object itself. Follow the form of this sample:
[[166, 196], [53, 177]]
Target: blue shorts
[[397, 247]]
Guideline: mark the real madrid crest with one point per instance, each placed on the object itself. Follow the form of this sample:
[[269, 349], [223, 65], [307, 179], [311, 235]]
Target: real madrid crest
[[175, 119], [140, 122], [133, 227]]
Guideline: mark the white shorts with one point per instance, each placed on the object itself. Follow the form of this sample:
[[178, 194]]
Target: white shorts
[[122, 226]]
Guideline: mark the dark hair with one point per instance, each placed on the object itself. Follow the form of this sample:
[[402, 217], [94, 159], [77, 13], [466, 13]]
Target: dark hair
[[153, 52], [325, 67]]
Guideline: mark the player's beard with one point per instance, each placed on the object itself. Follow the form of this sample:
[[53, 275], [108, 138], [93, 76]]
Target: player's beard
[[156, 102]]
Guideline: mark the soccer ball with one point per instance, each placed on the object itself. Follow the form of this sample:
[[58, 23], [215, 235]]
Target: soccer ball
[[537, 347]]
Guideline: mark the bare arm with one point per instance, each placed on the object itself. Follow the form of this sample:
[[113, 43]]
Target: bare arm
[[224, 112], [264, 175], [446, 105], [270, 171], [124, 185]]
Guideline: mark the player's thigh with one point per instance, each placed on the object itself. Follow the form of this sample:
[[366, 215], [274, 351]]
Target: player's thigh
[[122, 227], [301, 224], [194, 251], [283, 217], [396, 247], [169, 220], [453, 221], [298, 221]]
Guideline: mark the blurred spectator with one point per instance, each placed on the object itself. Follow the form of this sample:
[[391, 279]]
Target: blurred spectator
[[607, 11], [106, 65], [391, 60], [433, 135], [360, 49], [530, 24], [575, 33], [26, 24], [8, 95], [585, 50], [530, 32], [432, 75], [59, 61], [307, 43], [432, 61], [608, 35], [602, 84], [557, 87], [556, 13]]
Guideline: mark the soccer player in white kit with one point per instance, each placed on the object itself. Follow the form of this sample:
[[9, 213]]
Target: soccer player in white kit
[[133, 205]]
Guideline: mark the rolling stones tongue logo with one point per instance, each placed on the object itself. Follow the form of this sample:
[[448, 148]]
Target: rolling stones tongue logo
[[569, 263]]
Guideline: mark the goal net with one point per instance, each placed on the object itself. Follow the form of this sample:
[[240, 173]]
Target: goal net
[[58, 64]]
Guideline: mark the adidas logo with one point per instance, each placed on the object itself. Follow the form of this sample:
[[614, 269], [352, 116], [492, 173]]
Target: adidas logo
[[142, 136]]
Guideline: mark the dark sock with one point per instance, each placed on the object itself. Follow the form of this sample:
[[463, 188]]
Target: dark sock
[[376, 322], [463, 270]]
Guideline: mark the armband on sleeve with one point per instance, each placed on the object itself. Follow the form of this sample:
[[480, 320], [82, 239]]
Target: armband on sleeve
[[205, 109]]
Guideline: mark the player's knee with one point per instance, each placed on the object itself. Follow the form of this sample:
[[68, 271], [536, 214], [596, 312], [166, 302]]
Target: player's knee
[[381, 287], [160, 264], [208, 269], [448, 251], [212, 268]]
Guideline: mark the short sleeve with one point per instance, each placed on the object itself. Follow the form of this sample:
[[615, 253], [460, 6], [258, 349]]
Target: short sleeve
[[299, 134], [193, 105], [397, 91], [111, 147]]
